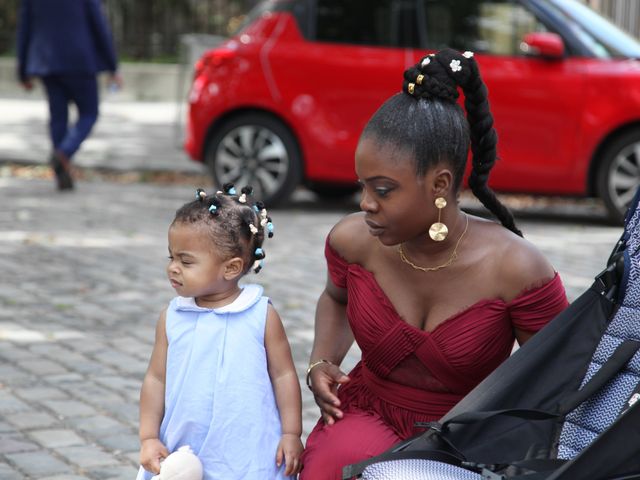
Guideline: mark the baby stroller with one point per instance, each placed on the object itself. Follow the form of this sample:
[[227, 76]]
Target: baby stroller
[[564, 406]]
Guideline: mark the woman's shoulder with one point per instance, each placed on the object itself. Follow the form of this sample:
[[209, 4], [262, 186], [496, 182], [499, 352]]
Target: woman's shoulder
[[350, 238], [519, 264]]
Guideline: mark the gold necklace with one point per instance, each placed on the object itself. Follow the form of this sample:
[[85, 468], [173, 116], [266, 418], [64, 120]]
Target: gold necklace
[[452, 259]]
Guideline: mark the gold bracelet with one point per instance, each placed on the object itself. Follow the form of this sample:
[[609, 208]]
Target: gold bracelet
[[311, 367]]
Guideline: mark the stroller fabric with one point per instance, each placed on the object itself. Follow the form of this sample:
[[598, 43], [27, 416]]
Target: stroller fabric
[[591, 418]]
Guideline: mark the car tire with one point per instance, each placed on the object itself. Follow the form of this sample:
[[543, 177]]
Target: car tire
[[255, 149], [618, 175]]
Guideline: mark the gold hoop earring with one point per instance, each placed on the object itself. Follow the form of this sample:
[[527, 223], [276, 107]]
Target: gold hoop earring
[[438, 231]]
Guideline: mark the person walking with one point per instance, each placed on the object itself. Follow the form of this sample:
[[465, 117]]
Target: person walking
[[66, 43]]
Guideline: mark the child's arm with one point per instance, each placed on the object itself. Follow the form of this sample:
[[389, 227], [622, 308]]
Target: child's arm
[[152, 402], [287, 391]]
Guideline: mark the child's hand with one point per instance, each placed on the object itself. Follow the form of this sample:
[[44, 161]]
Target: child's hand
[[151, 452], [290, 448]]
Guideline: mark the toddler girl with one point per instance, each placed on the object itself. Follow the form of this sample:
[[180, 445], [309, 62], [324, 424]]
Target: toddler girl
[[221, 378]]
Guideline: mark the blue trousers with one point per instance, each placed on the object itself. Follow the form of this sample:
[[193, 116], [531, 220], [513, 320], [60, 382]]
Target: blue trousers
[[80, 89]]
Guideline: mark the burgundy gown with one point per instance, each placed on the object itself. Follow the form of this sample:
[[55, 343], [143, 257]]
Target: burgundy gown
[[408, 375]]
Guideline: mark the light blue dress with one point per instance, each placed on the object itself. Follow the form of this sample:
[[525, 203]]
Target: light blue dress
[[219, 399]]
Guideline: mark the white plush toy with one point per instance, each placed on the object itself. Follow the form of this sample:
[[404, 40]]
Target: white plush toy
[[182, 464]]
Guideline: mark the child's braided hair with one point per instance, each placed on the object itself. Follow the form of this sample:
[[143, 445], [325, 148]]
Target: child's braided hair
[[236, 226]]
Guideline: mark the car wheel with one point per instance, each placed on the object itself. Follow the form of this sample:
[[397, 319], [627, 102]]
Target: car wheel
[[258, 150], [619, 174]]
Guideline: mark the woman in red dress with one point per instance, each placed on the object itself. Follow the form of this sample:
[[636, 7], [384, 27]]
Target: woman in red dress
[[434, 297]]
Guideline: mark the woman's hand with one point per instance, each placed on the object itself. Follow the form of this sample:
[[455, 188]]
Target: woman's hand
[[289, 451], [152, 451], [325, 380]]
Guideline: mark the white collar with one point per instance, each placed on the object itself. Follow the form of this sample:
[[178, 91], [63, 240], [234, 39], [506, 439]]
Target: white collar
[[249, 295]]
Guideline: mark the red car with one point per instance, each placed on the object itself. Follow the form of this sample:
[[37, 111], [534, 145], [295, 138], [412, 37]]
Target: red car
[[283, 101]]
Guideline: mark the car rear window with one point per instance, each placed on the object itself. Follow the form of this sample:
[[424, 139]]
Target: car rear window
[[390, 23], [490, 26], [296, 7], [496, 27]]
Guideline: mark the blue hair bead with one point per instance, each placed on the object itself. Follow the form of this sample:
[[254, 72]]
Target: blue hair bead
[[232, 191], [213, 209], [256, 209], [270, 227], [258, 252]]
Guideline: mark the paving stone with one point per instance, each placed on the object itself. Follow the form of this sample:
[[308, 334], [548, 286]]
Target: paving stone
[[134, 457], [120, 443], [65, 477], [40, 393], [92, 367], [126, 386], [87, 456], [95, 394], [10, 404], [13, 375], [128, 345], [64, 379], [38, 464], [33, 419], [99, 425], [8, 473], [126, 412], [126, 472], [51, 350], [5, 427], [54, 438], [14, 354], [69, 408], [43, 367], [15, 442]]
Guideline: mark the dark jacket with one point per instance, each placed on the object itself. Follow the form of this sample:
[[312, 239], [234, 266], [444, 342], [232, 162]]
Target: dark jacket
[[63, 37]]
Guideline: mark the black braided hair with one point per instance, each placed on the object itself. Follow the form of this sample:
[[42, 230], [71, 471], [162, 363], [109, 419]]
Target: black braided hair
[[228, 224], [427, 121]]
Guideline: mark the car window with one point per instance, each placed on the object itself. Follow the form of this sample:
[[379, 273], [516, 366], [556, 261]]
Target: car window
[[388, 23], [296, 8], [494, 26], [604, 39]]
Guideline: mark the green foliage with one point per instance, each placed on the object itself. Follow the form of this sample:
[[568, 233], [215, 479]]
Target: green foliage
[[147, 30]]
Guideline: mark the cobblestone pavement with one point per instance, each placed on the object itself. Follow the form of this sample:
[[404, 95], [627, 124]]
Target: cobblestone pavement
[[83, 282]]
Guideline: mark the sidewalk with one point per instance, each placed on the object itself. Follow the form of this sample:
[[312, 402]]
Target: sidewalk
[[83, 283], [128, 136]]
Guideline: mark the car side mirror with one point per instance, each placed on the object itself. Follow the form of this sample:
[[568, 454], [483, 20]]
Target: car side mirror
[[543, 44]]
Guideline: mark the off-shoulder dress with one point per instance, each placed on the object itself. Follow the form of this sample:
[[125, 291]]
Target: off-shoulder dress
[[407, 375]]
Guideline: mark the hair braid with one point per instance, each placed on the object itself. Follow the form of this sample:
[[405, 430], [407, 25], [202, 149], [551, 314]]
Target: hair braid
[[430, 86], [427, 122], [451, 68], [483, 145]]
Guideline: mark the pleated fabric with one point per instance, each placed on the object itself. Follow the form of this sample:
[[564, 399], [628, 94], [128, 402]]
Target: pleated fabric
[[407, 375]]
